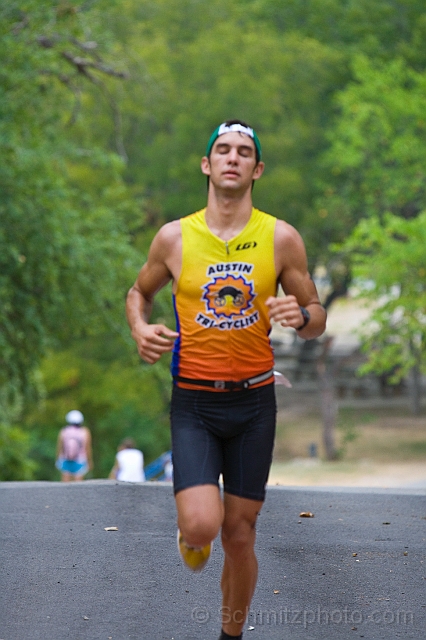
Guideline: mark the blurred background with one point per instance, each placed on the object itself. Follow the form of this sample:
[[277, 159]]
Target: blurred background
[[106, 107]]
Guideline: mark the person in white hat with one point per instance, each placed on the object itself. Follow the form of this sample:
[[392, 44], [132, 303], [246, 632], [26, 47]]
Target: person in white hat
[[74, 448]]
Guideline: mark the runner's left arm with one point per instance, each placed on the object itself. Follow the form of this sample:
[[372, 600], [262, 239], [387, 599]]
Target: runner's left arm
[[297, 284]]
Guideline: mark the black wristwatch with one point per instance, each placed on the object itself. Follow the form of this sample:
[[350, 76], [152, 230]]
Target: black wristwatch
[[306, 317]]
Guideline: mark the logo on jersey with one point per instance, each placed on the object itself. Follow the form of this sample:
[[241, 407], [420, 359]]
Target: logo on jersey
[[246, 245], [228, 297]]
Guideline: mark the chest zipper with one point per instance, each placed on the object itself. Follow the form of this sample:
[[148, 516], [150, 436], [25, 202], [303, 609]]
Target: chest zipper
[[227, 248]]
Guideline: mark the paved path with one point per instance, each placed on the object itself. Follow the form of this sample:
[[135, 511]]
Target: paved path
[[63, 577]]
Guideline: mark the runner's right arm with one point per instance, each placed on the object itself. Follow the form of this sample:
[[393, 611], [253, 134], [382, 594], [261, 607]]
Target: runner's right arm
[[152, 339]]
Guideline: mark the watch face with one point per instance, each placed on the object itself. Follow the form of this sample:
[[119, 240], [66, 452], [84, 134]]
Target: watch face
[[305, 313], [306, 317]]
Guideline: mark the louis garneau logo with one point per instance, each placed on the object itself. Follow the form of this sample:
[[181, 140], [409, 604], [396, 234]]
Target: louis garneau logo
[[246, 245], [228, 297]]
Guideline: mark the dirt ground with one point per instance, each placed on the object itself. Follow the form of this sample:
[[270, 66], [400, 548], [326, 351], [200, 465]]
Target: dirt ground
[[364, 473], [379, 443]]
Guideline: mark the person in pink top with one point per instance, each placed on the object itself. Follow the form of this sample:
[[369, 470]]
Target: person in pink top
[[74, 448]]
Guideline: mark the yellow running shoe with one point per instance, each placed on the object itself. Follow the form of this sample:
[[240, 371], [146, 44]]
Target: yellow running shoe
[[195, 558]]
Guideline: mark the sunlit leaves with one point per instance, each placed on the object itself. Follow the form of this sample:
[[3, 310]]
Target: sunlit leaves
[[388, 260], [65, 258]]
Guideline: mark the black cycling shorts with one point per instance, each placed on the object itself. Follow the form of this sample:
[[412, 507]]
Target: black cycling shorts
[[229, 433]]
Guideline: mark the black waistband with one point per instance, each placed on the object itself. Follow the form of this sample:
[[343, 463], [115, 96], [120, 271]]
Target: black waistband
[[229, 385]]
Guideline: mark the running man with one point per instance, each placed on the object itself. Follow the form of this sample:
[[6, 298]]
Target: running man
[[225, 263]]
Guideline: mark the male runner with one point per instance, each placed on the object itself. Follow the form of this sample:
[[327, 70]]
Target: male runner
[[225, 263]]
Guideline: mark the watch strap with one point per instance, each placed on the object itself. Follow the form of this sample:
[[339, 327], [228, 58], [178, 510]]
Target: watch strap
[[306, 317]]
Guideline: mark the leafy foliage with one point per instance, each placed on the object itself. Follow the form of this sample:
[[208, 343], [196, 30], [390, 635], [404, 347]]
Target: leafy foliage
[[53, 223], [105, 110], [378, 155], [117, 397], [15, 463], [388, 259]]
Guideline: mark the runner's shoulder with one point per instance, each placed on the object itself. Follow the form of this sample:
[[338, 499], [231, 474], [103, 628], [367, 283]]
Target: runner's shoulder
[[286, 235], [168, 235], [167, 240]]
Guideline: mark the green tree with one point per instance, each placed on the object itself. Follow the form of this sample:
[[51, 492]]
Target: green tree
[[104, 112], [118, 396], [377, 148], [281, 85], [388, 258], [378, 160], [67, 216], [15, 463], [64, 248], [382, 29]]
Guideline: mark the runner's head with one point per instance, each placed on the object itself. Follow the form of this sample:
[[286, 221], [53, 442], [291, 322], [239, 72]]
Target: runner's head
[[238, 126]]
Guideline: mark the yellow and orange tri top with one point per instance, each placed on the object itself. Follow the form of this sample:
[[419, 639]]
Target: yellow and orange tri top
[[219, 303]]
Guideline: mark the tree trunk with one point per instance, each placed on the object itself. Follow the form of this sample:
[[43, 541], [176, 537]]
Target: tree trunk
[[415, 389], [328, 403], [416, 378]]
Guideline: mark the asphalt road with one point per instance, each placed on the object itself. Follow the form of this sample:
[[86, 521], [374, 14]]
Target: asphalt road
[[63, 577]]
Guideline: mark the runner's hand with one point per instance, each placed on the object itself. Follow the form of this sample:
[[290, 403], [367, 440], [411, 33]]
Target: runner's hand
[[285, 310], [153, 340]]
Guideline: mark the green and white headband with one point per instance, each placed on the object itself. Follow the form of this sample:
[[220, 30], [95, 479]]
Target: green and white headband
[[239, 128]]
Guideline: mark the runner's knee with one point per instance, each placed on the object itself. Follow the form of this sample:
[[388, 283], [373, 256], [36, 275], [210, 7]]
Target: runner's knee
[[238, 539], [200, 514], [199, 530]]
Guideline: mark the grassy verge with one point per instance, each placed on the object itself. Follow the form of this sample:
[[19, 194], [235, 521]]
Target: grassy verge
[[380, 435]]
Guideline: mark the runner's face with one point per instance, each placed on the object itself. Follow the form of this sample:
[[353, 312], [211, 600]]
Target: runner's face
[[232, 163]]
